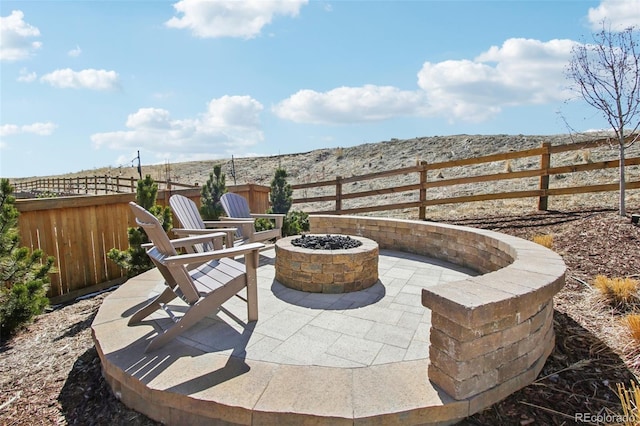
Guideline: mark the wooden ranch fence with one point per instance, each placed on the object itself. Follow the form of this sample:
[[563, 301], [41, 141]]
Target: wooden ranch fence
[[90, 185], [422, 186], [79, 231]]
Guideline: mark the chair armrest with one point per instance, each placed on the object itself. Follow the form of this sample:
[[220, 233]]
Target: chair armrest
[[196, 239], [229, 233], [195, 231], [186, 259], [229, 222], [235, 220]]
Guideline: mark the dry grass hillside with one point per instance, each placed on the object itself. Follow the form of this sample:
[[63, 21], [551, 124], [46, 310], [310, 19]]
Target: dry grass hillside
[[325, 164]]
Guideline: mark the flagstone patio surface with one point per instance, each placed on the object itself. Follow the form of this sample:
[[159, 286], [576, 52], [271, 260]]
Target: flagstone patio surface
[[311, 358]]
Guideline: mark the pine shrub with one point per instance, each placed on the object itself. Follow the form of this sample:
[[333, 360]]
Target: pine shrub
[[24, 274], [134, 259], [281, 195], [295, 223], [281, 198], [213, 189]]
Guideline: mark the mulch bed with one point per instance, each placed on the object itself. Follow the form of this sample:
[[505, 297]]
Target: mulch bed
[[50, 372]]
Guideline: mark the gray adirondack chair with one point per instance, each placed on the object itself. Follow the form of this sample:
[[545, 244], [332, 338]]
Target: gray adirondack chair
[[237, 209], [192, 223], [214, 279]]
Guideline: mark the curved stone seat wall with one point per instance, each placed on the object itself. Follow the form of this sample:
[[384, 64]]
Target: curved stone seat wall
[[490, 334]]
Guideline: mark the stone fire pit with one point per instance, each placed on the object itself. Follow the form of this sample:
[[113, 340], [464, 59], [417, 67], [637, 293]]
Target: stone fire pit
[[324, 269]]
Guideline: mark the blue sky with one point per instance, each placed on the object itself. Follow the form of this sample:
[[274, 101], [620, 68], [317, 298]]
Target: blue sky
[[87, 84]]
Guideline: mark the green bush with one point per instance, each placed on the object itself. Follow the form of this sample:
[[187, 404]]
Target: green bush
[[135, 260], [24, 274], [281, 193], [295, 223], [210, 206], [264, 224], [20, 304]]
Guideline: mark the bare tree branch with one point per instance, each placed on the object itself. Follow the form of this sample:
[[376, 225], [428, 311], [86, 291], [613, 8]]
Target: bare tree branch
[[606, 73]]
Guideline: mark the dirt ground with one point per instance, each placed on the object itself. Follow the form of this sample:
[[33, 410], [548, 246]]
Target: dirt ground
[[50, 372]]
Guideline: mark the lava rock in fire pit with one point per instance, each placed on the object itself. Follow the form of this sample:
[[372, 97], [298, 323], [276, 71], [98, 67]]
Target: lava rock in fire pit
[[326, 242]]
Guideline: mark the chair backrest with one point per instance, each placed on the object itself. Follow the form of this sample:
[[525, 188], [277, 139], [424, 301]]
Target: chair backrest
[[186, 211], [235, 206], [162, 248], [189, 217]]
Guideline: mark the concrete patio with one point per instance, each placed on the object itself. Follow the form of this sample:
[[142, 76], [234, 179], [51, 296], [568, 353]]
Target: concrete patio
[[351, 358]]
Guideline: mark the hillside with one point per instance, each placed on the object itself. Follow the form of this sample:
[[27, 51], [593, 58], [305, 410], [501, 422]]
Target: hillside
[[326, 164]]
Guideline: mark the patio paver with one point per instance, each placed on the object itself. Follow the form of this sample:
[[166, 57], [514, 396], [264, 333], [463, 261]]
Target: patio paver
[[346, 358]]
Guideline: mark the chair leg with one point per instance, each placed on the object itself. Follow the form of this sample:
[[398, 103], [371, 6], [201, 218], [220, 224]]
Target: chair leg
[[251, 265], [195, 313], [166, 296]]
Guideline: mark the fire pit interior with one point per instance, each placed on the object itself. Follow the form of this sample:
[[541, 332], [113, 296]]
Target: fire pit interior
[[326, 242], [327, 263]]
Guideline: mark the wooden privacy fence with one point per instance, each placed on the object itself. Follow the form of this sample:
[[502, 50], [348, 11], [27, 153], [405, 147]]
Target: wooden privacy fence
[[423, 185], [79, 231], [90, 185]]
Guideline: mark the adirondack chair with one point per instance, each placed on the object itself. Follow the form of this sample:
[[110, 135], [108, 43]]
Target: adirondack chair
[[192, 224], [237, 209], [215, 278]]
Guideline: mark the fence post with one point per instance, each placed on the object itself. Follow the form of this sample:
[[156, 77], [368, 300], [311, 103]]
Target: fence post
[[545, 163], [133, 188], [338, 194], [422, 213]]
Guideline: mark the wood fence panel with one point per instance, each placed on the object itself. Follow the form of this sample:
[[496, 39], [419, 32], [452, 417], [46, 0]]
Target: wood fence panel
[[79, 231]]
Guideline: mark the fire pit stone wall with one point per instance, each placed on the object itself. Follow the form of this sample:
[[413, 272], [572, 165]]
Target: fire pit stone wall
[[327, 271]]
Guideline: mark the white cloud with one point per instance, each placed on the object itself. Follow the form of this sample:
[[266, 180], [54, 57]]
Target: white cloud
[[9, 129], [86, 79], [617, 13], [40, 129], [230, 18], [520, 72], [149, 118], [228, 126], [16, 37], [74, 53], [350, 104], [26, 76]]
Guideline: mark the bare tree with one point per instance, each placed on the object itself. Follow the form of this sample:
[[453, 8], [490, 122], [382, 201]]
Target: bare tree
[[607, 75]]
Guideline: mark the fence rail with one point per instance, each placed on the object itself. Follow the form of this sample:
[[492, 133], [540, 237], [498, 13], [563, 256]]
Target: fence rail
[[544, 171], [90, 185]]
